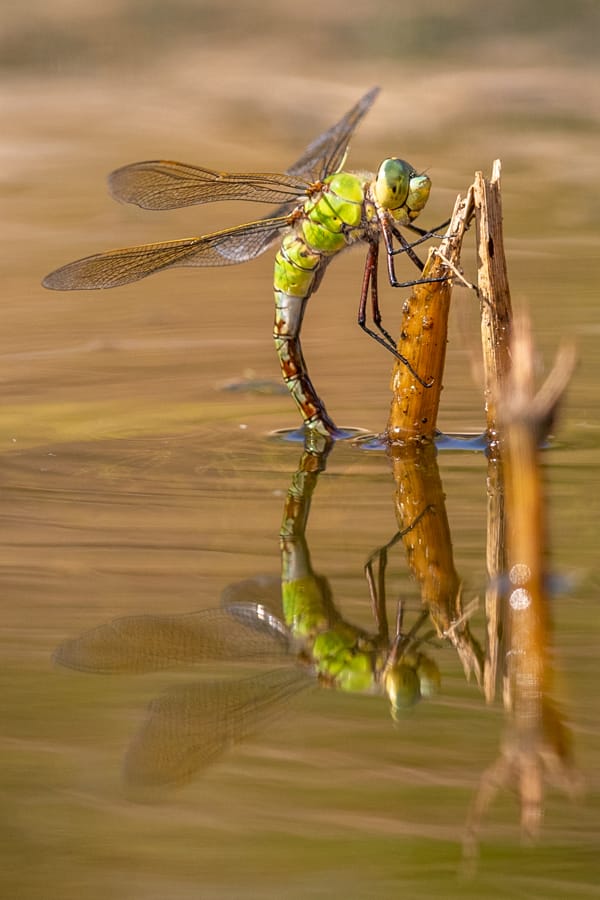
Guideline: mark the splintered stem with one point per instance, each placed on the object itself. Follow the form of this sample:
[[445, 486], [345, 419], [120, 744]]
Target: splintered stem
[[536, 748], [496, 326], [494, 291]]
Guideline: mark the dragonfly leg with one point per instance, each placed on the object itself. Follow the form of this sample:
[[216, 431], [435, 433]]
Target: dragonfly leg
[[402, 642], [289, 311], [377, 593], [370, 281], [389, 231], [407, 247], [370, 277], [431, 232]]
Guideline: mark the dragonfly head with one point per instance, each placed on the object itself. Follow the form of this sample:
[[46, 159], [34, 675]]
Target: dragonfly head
[[400, 189], [409, 679]]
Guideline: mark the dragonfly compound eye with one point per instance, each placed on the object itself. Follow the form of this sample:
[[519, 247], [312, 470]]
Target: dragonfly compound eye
[[418, 194], [401, 684], [429, 676], [393, 183]]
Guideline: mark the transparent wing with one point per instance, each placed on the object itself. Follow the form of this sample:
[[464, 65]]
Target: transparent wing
[[263, 590], [149, 643], [321, 158], [189, 727], [162, 184], [165, 184], [118, 267], [144, 183], [326, 153]]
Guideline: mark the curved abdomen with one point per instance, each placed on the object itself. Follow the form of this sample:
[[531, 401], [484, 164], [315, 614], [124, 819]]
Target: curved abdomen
[[328, 222]]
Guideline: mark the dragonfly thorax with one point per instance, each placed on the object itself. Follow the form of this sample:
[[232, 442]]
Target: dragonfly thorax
[[400, 190]]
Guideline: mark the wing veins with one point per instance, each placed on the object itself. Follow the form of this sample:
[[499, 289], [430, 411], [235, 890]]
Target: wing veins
[[115, 268], [163, 184]]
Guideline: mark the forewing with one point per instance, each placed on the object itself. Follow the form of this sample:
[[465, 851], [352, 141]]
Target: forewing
[[118, 267], [326, 153], [149, 643], [162, 184], [189, 727], [321, 158]]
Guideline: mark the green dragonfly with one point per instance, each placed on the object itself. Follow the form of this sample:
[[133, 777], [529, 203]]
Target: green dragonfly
[[321, 211], [190, 726]]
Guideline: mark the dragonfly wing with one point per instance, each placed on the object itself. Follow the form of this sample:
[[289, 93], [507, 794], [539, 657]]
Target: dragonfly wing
[[322, 157], [244, 247], [162, 184], [189, 727], [118, 267], [326, 153], [262, 590], [137, 644]]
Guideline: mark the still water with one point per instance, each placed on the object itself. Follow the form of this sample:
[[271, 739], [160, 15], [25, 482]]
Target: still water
[[140, 476]]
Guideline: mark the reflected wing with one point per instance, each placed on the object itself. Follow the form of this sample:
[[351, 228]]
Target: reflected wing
[[161, 184], [189, 727], [117, 267], [149, 643], [263, 590]]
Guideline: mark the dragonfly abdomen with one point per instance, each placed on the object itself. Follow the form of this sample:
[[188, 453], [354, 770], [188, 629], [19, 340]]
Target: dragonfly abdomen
[[328, 222], [295, 267]]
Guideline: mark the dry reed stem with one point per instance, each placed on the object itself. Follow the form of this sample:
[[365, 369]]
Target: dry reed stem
[[421, 513], [496, 326], [536, 747], [494, 293], [423, 338]]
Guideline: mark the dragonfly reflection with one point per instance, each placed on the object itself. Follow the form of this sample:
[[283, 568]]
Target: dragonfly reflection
[[190, 726]]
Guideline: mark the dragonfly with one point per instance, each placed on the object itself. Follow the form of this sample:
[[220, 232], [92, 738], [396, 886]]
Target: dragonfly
[[321, 210], [190, 726]]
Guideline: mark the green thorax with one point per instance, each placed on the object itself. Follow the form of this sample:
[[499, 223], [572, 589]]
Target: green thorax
[[325, 226], [333, 212]]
